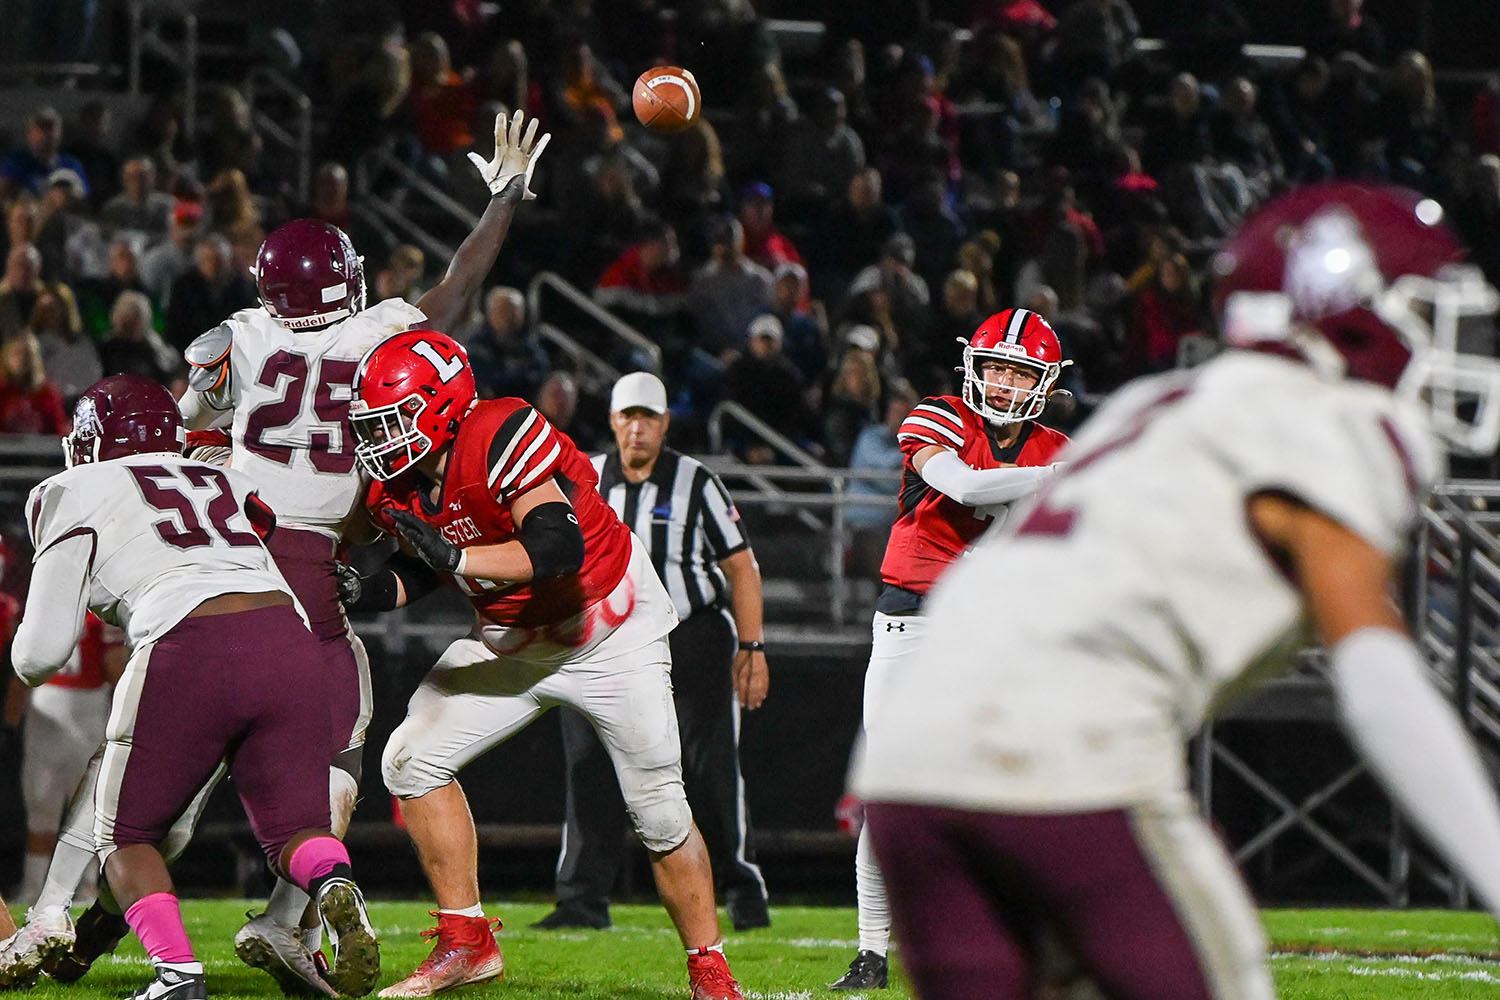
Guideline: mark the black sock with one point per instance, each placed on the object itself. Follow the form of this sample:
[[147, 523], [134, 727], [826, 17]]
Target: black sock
[[340, 870]]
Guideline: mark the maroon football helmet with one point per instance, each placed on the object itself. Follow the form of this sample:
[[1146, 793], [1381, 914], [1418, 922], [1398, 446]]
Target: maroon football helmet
[[410, 393], [1022, 340], [123, 415], [308, 275], [1366, 282]]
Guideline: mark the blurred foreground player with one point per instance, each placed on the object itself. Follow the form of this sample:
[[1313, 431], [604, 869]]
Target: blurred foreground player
[[966, 459], [1207, 526], [490, 497], [222, 667]]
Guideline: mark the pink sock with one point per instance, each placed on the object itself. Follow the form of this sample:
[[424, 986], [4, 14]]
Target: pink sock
[[315, 858], [157, 921]]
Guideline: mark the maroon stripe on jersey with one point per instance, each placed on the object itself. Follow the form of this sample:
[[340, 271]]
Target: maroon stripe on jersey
[[1408, 467], [76, 532]]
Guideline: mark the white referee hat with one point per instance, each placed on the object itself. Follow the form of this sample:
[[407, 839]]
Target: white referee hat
[[638, 389]]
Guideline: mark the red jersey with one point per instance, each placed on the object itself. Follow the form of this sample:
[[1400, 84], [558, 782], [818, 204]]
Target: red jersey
[[504, 450], [84, 670], [931, 529]]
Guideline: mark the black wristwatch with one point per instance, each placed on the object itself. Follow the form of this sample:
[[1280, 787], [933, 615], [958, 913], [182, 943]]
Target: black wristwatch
[[753, 646]]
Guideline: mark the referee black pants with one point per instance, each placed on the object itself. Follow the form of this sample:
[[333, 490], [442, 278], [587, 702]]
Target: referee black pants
[[703, 650]]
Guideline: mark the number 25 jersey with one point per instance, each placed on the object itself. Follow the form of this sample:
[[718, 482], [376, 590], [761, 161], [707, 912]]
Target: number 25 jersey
[[167, 533], [290, 392]]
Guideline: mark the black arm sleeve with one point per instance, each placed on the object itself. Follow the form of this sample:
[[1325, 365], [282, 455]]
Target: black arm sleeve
[[553, 540], [377, 592]]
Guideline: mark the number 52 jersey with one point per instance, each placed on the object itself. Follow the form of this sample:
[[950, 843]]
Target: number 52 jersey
[[289, 392], [166, 534]]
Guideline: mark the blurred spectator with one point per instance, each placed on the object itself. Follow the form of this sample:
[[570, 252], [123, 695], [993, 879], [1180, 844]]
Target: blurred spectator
[[1094, 37], [1302, 122], [645, 285], [1414, 124], [764, 243], [1242, 138], [692, 182], [1027, 20], [1477, 218], [1086, 130], [96, 296], [442, 103], [138, 206], [607, 208], [1346, 28], [1484, 116], [935, 229], [729, 291], [582, 82], [399, 278], [231, 141], [23, 286], [914, 150], [90, 143], [203, 296], [71, 242], [764, 382], [505, 78], [604, 142], [903, 288], [957, 319], [228, 203], [369, 77], [29, 404], [821, 157], [331, 204], [804, 329], [852, 237], [69, 356], [850, 406], [557, 400], [848, 76], [506, 355], [28, 167], [763, 124], [133, 348], [1165, 312], [977, 256], [876, 447], [156, 136], [23, 218], [1206, 198], [164, 263], [999, 75]]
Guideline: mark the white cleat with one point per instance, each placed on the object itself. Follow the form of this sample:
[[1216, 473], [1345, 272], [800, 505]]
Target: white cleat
[[264, 944], [47, 936]]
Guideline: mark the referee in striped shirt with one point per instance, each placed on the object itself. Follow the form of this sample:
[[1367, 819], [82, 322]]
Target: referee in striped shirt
[[683, 514]]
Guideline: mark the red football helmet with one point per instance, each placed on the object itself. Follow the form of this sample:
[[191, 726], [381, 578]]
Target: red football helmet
[[1023, 340], [308, 275], [123, 415], [410, 393], [1366, 282]]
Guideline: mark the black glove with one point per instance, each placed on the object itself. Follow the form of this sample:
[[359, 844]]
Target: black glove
[[351, 584], [433, 549]]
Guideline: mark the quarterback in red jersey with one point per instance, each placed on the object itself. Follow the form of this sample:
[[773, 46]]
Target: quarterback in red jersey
[[968, 457], [489, 496]]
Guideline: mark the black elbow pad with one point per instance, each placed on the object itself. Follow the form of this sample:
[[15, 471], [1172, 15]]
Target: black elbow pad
[[552, 539]]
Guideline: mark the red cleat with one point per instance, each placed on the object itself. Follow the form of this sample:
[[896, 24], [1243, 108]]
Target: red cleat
[[708, 975], [466, 952]]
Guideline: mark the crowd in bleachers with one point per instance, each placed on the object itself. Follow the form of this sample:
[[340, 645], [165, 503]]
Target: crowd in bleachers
[[810, 249]]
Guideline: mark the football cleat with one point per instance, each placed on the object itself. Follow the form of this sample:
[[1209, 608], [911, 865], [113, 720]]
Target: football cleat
[[97, 933], [46, 937], [868, 971], [356, 953], [574, 918], [748, 914], [709, 976], [465, 952], [266, 945], [175, 982]]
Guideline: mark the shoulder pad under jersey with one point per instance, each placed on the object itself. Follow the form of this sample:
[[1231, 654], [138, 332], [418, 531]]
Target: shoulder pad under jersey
[[208, 359]]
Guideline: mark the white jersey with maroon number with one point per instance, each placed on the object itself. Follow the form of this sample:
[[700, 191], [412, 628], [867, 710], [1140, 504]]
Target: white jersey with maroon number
[[167, 534], [1070, 655], [290, 392]]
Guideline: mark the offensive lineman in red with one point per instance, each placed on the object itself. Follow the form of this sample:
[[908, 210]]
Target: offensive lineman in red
[[489, 495], [968, 457]]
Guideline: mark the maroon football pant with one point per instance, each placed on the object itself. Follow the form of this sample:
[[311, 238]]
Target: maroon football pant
[[1150, 910], [305, 559], [245, 688]]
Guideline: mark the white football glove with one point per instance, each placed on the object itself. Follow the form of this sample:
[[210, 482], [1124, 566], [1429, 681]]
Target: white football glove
[[515, 154]]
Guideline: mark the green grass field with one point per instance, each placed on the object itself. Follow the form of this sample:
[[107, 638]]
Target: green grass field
[[1318, 953]]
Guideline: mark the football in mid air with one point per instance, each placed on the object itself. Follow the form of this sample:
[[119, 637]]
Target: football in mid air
[[666, 99]]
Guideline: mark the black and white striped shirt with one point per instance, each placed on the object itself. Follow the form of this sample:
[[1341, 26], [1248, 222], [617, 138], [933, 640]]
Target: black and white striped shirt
[[685, 517]]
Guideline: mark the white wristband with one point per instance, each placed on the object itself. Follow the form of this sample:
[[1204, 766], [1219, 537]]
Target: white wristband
[[463, 562]]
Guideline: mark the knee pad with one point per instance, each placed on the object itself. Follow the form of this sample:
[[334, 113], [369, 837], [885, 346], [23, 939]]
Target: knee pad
[[343, 793], [406, 775], [658, 808]]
